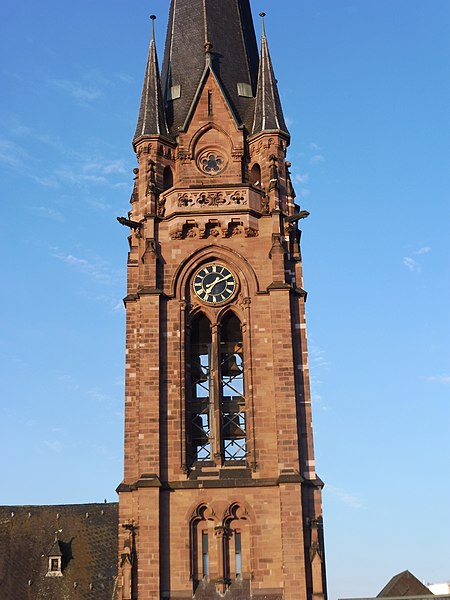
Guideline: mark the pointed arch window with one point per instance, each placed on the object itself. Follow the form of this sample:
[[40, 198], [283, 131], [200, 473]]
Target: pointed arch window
[[216, 394], [237, 548], [167, 178], [200, 392], [232, 399], [201, 534], [255, 175]]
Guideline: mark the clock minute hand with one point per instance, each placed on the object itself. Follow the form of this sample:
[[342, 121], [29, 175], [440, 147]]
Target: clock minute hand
[[211, 285]]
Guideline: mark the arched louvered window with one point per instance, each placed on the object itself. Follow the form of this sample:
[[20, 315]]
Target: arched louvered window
[[201, 388], [217, 428], [232, 399]]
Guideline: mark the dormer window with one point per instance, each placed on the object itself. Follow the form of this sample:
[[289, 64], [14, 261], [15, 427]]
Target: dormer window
[[55, 564], [54, 568]]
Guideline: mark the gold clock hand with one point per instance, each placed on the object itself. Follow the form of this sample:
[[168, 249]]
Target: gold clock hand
[[211, 285]]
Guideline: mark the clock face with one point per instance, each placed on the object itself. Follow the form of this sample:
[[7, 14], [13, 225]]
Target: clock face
[[214, 284]]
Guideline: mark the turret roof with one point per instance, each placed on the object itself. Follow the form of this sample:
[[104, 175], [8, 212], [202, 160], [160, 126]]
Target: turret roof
[[268, 110], [152, 116]]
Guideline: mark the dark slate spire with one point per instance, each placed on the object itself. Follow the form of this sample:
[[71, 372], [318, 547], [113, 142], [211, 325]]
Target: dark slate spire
[[152, 117], [268, 111], [228, 26]]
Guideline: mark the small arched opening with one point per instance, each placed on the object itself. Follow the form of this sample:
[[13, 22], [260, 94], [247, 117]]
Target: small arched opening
[[255, 175], [167, 178]]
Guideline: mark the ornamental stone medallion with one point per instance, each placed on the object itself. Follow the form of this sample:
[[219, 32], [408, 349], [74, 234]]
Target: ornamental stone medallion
[[211, 162]]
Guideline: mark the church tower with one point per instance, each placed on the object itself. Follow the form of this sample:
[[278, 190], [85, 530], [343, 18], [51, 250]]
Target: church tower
[[220, 497]]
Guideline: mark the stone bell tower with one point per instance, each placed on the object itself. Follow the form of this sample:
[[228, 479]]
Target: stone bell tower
[[220, 497]]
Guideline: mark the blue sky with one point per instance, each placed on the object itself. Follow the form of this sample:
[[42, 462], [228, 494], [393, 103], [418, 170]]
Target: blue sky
[[365, 88]]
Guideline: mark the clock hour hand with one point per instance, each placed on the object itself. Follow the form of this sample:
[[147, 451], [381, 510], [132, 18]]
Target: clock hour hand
[[210, 286]]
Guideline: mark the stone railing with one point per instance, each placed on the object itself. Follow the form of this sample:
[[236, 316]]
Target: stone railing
[[191, 201]]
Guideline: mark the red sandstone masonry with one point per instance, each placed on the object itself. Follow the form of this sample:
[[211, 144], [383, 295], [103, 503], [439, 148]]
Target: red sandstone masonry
[[161, 265]]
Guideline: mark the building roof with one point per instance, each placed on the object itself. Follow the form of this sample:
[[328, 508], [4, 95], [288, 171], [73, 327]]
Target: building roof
[[87, 539], [228, 26], [404, 584]]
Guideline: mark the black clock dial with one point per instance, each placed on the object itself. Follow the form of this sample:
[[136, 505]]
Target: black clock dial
[[214, 284]]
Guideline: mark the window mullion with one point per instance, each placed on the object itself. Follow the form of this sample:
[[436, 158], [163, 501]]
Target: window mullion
[[215, 403]]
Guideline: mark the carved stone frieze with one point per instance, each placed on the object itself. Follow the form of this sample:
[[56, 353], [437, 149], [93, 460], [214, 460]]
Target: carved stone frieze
[[144, 150], [184, 156], [212, 199], [213, 228]]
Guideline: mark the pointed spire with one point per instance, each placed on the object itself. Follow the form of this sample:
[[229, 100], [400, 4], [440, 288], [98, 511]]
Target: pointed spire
[[55, 550], [152, 117], [228, 26], [268, 110]]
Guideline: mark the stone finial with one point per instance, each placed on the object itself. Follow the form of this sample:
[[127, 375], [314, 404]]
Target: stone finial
[[153, 18], [263, 15]]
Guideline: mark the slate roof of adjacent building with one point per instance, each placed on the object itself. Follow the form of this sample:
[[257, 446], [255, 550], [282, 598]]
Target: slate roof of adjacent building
[[87, 538], [404, 584]]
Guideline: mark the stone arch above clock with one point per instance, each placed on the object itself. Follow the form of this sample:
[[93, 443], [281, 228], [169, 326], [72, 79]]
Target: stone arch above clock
[[248, 280]]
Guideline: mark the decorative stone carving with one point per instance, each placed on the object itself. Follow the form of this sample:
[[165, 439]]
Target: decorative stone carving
[[211, 163], [213, 228], [184, 156], [135, 193], [238, 198], [190, 230], [151, 186], [235, 228], [213, 199], [161, 207], [251, 232], [176, 233], [290, 192], [273, 173], [144, 150]]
